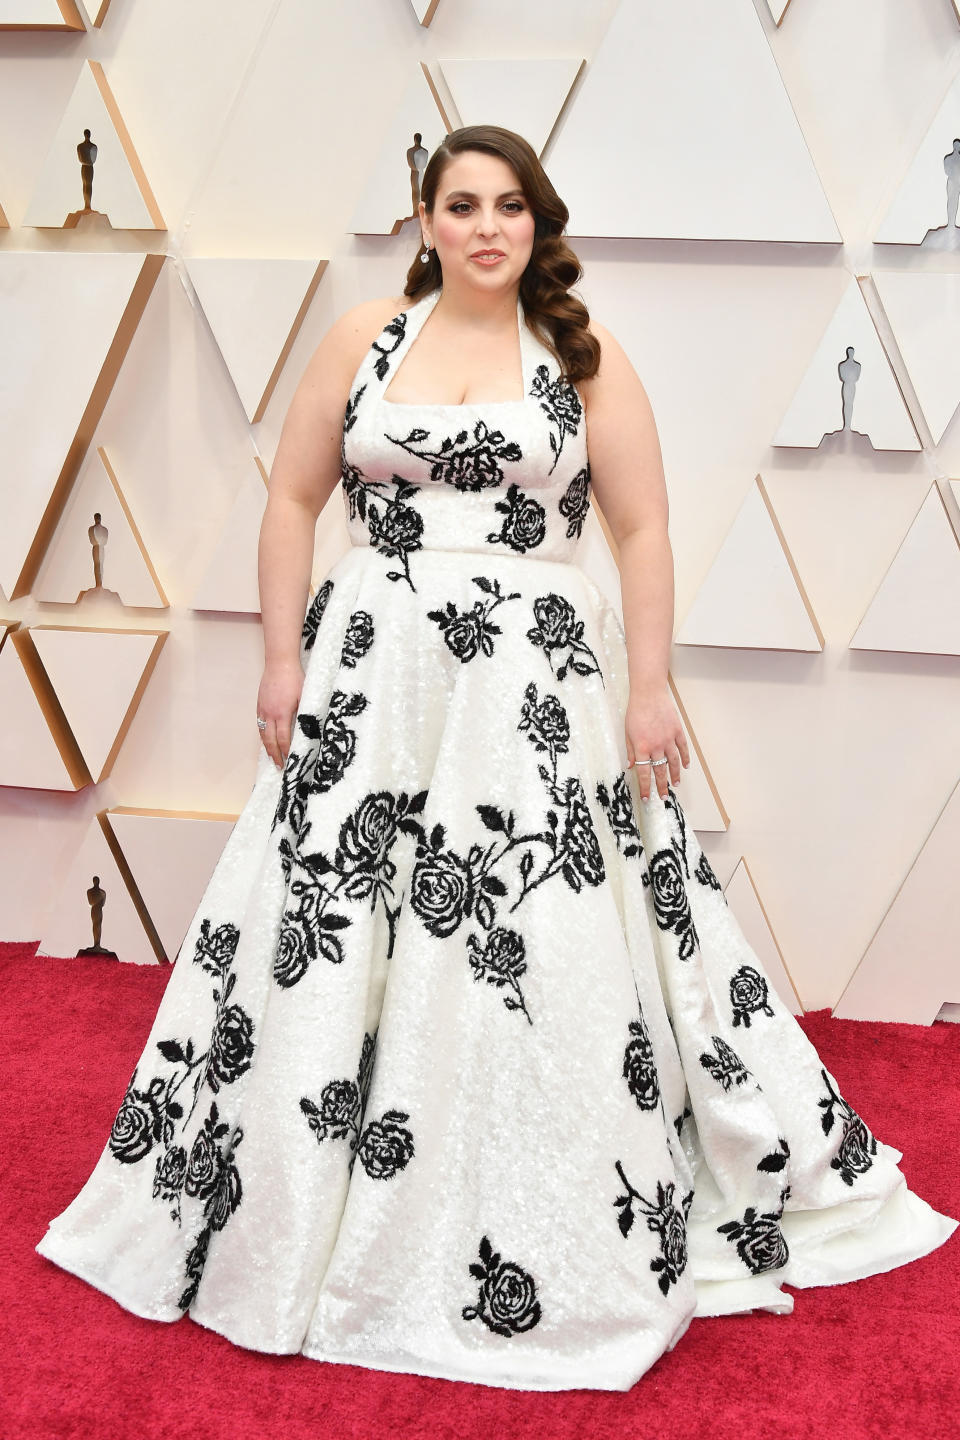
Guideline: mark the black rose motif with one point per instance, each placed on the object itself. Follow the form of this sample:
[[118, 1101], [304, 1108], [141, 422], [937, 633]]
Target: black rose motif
[[339, 1107], [226, 1195], [440, 890], [664, 1219], [203, 1169], [670, 900], [396, 329], [525, 523], [704, 872], [583, 858], [561, 403], [618, 806], [467, 463], [195, 1261], [386, 1146], [748, 995], [170, 1173], [545, 720], [314, 615], [364, 843], [337, 747], [292, 958], [558, 628], [138, 1125], [725, 1066], [215, 949], [759, 1239], [461, 631], [858, 1145], [398, 531], [358, 638], [231, 1046], [575, 502], [500, 959], [507, 1303], [640, 1068]]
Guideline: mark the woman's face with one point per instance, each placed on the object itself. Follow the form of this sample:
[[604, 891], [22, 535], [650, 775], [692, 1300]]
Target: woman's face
[[480, 207]]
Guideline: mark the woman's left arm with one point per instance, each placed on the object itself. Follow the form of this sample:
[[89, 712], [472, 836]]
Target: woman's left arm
[[627, 479]]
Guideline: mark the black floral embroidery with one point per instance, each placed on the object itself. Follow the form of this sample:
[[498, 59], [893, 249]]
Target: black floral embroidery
[[558, 628], [858, 1145], [562, 405], [362, 869], [759, 1239], [499, 959], [725, 1066], [664, 1219], [507, 1303], [670, 901], [148, 1116], [314, 615], [704, 873], [211, 1176], [330, 749], [525, 521], [777, 1159], [446, 887], [386, 1146], [358, 638], [680, 1120], [469, 632], [396, 329], [575, 503], [618, 804], [398, 532], [749, 995], [464, 461], [640, 1068]]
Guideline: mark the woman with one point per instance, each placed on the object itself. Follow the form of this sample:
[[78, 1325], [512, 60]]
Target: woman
[[447, 938]]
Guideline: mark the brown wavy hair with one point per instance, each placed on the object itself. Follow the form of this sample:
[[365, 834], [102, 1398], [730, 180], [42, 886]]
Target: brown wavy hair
[[559, 318]]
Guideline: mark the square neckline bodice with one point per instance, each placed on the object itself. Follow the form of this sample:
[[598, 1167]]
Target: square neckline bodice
[[417, 315]]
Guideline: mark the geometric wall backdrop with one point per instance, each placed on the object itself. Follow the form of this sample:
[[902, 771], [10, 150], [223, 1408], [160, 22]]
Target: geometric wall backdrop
[[701, 798], [171, 856], [74, 556], [425, 10], [917, 604], [96, 14], [387, 197], [36, 748], [120, 189], [523, 95], [924, 315], [68, 320], [778, 8], [921, 202], [682, 129], [752, 596], [98, 881], [40, 15], [255, 307], [861, 383], [910, 968], [741, 895], [99, 677]]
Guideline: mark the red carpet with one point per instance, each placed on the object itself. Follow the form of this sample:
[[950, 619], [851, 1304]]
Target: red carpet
[[879, 1358]]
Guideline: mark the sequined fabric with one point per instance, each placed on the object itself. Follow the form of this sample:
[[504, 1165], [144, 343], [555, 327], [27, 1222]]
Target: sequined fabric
[[465, 1067]]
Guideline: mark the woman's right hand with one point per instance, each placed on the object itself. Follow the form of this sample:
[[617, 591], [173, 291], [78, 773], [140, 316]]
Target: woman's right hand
[[278, 700]]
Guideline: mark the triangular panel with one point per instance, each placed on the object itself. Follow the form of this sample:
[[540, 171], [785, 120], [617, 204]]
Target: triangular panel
[[741, 895], [230, 579], [36, 749], [682, 129], [40, 15], [910, 968], [96, 882], [917, 604], [99, 677], [120, 189], [522, 95], [69, 318], [255, 308], [752, 596], [924, 313], [425, 10], [778, 8], [922, 202], [87, 554], [171, 856], [392, 188], [849, 371]]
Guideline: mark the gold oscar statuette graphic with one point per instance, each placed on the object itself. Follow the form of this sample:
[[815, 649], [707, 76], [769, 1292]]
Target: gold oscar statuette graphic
[[97, 898]]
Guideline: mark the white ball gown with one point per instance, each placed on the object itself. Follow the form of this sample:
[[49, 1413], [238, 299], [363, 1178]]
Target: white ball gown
[[465, 1067]]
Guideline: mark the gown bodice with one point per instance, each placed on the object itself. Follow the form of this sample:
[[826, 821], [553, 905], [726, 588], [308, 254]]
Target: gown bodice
[[508, 477]]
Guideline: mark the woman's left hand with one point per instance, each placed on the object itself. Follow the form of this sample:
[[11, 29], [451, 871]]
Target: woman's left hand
[[652, 728]]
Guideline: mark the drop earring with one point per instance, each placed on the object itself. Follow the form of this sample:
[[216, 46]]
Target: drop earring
[[425, 257]]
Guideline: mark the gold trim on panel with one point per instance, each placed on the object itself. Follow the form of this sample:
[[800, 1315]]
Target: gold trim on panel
[[298, 320], [71, 21], [51, 709], [765, 496], [133, 890], [130, 319], [773, 937], [134, 528]]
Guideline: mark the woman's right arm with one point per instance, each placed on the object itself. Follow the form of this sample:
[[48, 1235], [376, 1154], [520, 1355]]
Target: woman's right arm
[[304, 474]]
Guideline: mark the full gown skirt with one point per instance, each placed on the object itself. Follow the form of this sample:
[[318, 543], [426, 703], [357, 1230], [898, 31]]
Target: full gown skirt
[[465, 1067]]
